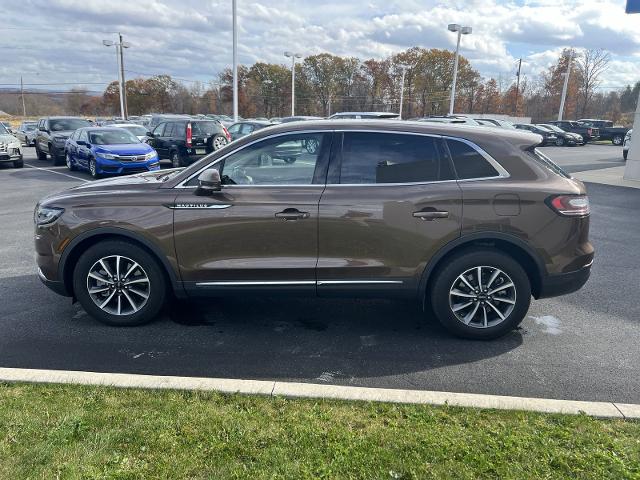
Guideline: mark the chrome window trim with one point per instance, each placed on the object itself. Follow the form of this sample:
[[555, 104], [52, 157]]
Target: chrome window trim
[[275, 135], [502, 172]]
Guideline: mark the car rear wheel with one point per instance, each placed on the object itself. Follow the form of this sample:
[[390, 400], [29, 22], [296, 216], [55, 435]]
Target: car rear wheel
[[624, 154], [617, 140], [481, 294], [57, 158], [219, 141], [119, 283], [176, 161], [559, 141]]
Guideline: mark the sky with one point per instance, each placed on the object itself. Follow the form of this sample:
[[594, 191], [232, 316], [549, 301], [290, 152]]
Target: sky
[[57, 44]]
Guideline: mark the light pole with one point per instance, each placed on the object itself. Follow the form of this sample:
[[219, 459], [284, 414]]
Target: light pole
[[293, 79], [120, 44], [564, 87], [235, 61], [454, 27], [404, 71]]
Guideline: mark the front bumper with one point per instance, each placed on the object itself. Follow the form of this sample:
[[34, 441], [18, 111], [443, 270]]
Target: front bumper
[[57, 286], [11, 155], [564, 283], [113, 167]]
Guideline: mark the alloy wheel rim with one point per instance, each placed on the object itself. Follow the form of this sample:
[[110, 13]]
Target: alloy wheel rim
[[68, 161], [219, 142], [174, 160], [118, 285], [482, 297], [92, 167]]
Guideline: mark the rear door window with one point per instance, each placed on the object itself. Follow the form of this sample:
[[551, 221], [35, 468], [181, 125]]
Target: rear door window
[[370, 158], [468, 162]]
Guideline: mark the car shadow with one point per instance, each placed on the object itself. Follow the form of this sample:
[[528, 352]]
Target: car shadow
[[306, 339]]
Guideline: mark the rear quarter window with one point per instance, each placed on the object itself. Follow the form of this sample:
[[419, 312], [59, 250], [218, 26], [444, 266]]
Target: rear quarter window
[[468, 162], [541, 159]]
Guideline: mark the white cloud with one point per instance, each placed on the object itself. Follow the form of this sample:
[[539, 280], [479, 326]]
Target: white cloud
[[192, 38]]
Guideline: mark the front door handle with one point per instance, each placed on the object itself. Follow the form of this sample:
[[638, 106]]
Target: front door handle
[[292, 214], [431, 214]]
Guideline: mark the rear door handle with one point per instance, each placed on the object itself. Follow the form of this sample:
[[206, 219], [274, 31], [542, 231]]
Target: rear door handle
[[292, 214], [431, 215]]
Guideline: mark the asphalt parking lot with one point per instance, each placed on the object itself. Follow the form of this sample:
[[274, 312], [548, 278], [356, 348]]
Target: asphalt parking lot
[[582, 346]]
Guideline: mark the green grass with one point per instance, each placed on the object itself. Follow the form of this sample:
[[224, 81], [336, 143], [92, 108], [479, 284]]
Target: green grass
[[58, 431]]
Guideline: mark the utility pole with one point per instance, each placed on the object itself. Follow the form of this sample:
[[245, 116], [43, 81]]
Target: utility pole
[[404, 71], [564, 87], [234, 8], [515, 114], [123, 90], [454, 27], [24, 109]]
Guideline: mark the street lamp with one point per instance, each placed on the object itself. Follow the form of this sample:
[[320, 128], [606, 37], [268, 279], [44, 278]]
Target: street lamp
[[454, 27], [293, 57], [120, 44], [404, 71], [234, 10]]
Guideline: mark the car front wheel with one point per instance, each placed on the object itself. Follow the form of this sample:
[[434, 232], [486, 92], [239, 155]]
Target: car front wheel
[[119, 283], [560, 142], [481, 294], [617, 140]]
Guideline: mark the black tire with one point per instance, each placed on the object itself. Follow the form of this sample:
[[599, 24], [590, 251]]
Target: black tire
[[41, 155], [93, 170], [624, 154], [176, 159], [55, 156], [70, 164], [617, 140], [289, 160], [157, 288], [559, 142], [443, 283], [18, 163]]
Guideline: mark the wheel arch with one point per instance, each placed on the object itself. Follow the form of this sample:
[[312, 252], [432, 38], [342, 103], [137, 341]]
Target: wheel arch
[[82, 242], [506, 243]]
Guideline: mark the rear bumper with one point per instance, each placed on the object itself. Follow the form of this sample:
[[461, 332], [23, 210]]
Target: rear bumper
[[564, 283]]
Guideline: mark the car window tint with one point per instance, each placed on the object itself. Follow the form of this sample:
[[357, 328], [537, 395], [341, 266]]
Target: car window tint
[[282, 160], [158, 131], [205, 129], [83, 135], [246, 128], [391, 158], [468, 162], [235, 128]]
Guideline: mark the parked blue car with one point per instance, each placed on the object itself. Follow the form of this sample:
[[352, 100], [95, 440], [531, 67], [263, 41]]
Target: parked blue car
[[109, 151]]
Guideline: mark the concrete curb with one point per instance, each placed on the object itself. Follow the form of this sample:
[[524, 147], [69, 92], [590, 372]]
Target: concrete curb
[[311, 390]]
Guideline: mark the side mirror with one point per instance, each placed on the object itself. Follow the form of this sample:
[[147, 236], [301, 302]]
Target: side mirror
[[150, 134], [81, 142], [209, 182]]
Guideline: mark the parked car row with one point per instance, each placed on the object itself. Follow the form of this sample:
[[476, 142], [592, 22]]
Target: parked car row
[[552, 134]]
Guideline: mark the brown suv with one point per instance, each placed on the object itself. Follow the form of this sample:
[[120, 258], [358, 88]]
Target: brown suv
[[470, 221]]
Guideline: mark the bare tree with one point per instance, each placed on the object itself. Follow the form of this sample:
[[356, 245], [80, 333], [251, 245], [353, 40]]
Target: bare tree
[[591, 64]]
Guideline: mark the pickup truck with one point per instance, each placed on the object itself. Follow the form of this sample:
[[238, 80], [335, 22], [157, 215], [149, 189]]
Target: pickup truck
[[608, 131], [589, 133]]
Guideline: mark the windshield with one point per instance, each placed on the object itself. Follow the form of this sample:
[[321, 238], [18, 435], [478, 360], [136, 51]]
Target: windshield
[[3, 129], [204, 128], [62, 124], [544, 128], [114, 136], [555, 128], [136, 130], [29, 126]]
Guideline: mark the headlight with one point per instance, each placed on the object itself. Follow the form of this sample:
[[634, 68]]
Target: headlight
[[108, 156], [150, 155], [46, 215], [59, 140]]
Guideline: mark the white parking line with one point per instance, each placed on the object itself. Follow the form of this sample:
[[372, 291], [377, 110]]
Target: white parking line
[[311, 390], [57, 173]]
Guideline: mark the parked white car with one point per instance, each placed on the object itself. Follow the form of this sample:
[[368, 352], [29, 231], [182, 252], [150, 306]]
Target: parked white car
[[626, 144], [138, 130], [10, 148]]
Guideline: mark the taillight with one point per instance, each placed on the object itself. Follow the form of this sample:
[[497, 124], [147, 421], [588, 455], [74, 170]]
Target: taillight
[[226, 133], [570, 205], [189, 135]]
